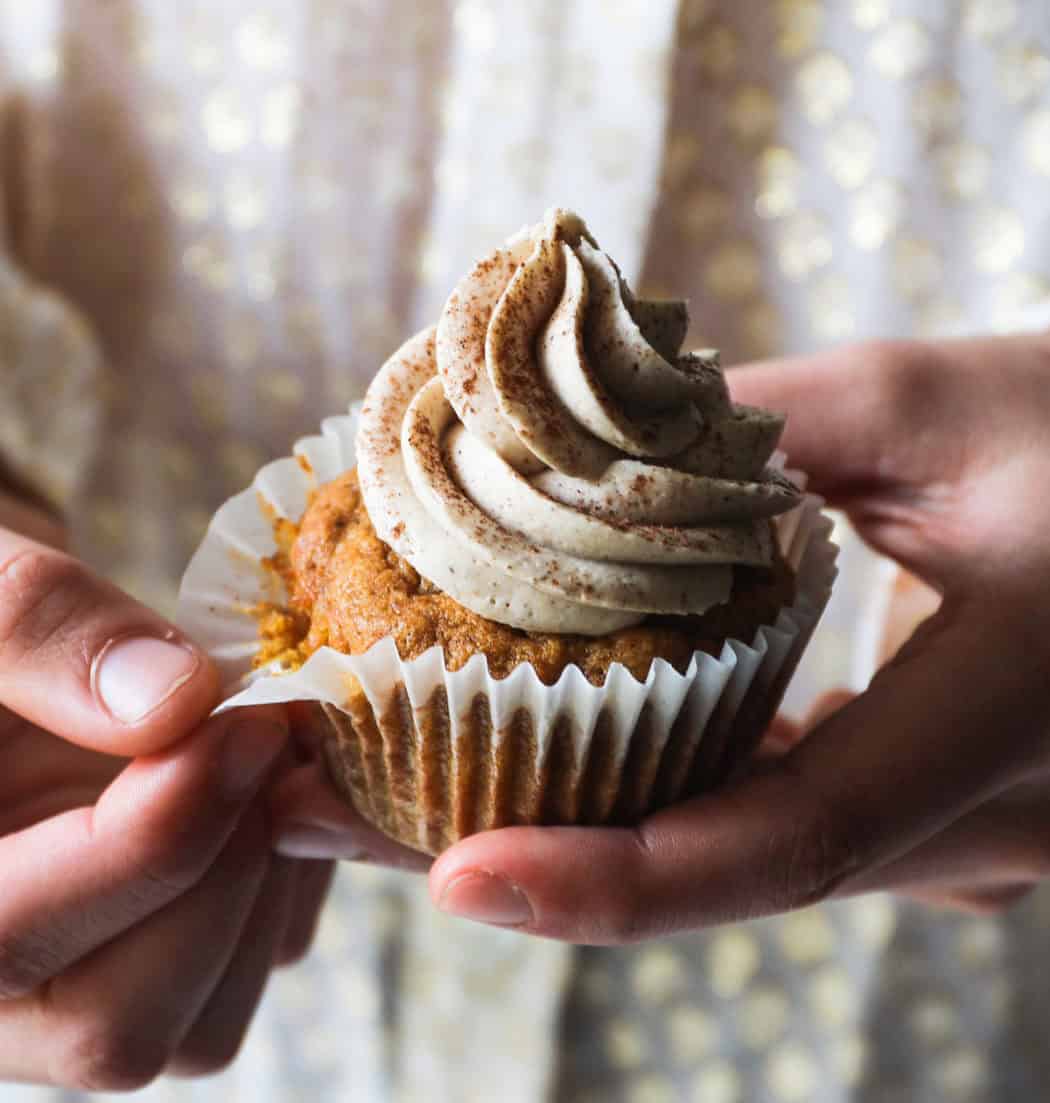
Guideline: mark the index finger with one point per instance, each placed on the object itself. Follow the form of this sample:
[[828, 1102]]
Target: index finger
[[862, 419], [77, 880]]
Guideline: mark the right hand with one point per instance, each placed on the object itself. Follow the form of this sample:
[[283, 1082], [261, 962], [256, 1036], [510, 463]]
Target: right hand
[[936, 779], [142, 909]]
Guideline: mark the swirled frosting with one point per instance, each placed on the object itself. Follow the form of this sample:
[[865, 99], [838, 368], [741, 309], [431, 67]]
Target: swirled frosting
[[550, 460]]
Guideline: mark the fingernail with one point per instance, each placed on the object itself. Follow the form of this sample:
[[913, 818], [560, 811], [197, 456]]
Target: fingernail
[[134, 677], [252, 746], [301, 840], [486, 898]]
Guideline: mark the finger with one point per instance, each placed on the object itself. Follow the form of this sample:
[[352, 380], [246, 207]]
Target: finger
[[113, 1020], [313, 886], [881, 776], [825, 706], [781, 735], [83, 660], [219, 1031], [44, 776], [1001, 845], [911, 603], [973, 901], [859, 384], [894, 403], [311, 820], [309, 729], [75, 881]]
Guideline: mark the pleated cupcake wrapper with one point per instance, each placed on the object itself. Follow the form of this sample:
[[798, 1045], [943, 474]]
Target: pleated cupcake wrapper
[[430, 755]]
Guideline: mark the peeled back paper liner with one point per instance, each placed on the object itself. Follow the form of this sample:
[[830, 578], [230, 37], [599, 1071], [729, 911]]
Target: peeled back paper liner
[[430, 755]]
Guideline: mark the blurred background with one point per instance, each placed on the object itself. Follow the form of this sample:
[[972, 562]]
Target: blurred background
[[221, 218]]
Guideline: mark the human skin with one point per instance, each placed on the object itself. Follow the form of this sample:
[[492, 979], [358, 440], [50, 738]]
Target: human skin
[[935, 780], [143, 908]]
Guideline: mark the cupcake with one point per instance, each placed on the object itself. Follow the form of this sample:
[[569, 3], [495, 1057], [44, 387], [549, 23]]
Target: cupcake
[[546, 573]]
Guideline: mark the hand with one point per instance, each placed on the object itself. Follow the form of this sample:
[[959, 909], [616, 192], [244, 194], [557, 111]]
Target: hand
[[939, 454], [141, 910], [988, 861]]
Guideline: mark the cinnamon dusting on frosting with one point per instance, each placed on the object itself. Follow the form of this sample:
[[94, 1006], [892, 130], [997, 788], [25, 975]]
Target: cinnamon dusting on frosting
[[348, 590], [550, 460]]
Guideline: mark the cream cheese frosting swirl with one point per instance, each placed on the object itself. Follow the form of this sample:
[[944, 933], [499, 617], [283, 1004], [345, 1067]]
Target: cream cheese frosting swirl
[[549, 459]]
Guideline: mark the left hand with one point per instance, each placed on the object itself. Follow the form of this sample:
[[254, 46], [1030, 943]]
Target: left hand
[[123, 840], [49, 781]]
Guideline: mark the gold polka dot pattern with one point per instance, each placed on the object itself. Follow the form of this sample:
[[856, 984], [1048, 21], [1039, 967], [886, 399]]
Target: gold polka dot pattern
[[825, 86], [800, 23], [874, 214], [901, 49], [850, 152], [792, 1073], [279, 192]]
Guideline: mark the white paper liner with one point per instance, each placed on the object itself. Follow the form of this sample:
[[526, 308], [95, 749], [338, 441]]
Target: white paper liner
[[226, 581]]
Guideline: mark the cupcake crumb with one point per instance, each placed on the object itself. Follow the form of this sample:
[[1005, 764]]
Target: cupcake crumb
[[348, 589]]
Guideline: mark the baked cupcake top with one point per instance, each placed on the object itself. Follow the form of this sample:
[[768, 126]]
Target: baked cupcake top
[[550, 459]]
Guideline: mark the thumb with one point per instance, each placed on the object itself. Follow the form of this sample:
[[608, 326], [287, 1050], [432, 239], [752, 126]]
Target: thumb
[[81, 659], [937, 733]]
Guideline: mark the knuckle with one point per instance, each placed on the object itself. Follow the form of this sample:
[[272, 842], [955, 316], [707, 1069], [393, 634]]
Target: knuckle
[[878, 355], [41, 595], [905, 372], [812, 861], [893, 362], [915, 385], [109, 1056], [166, 864], [171, 859], [207, 1056], [20, 971], [626, 919], [905, 381]]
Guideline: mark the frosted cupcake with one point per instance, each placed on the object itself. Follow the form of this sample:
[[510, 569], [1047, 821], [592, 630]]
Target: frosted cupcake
[[564, 582]]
